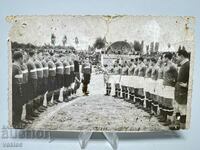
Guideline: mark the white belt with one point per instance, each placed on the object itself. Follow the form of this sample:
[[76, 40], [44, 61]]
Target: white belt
[[19, 76], [60, 67], [25, 71], [54, 68], [87, 67], [39, 69], [67, 66], [45, 68], [33, 70]]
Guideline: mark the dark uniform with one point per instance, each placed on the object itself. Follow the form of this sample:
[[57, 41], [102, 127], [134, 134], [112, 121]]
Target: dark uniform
[[39, 68], [66, 92], [51, 81], [45, 75], [25, 83], [181, 93], [32, 89], [59, 74], [86, 70], [66, 73], [72, 76], [59, 78], [32, 80], [183, 77], [77, 74], [38, 102], [17, 97]]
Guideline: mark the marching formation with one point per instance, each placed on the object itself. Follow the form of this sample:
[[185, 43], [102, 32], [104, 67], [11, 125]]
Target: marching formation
[[41, 79], [158, 85]]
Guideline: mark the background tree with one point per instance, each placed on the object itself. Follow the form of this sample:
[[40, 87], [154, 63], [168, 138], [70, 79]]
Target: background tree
[[151, 48], [156, 47], [64, 41], [53, 39], [99, 43], [137, 46], [76, 41]]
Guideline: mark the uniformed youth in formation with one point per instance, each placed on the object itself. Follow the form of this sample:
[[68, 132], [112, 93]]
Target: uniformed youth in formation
[[158, 85], [40, 80]]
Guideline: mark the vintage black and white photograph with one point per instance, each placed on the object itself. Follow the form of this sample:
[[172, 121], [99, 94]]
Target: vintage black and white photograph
[[100, 73]]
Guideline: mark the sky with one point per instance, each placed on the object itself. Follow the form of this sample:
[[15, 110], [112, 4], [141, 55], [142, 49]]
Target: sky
[[38, 29]]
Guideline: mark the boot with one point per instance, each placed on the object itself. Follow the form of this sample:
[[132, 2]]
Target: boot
[[175, 125], [147, 105], [169, 112], [183, 121], [116, 93], [137, 102], [156, 110], [151, 107], [161, 113], [119, 93], [126, 95], [107, 91], [141, 102], [164, 118], [123, 93], [130, 96]]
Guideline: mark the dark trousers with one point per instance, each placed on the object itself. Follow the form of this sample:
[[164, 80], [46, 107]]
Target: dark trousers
[[25, 91], [32, 88], [32, 93], [66, 80], [51, 83], [40, 86], [85, 87], [77, 74], [45, 84], [16, 109], [59, 80], [86, 81]]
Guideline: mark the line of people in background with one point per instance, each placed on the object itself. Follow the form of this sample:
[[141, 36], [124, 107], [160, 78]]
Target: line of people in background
[[158, 85], [40, 80]]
